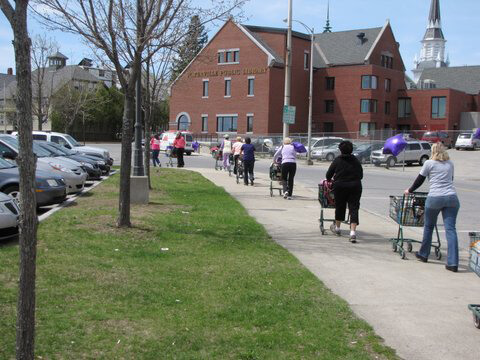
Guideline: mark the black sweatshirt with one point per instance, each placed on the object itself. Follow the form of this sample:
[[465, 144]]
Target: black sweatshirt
[[345, 168]]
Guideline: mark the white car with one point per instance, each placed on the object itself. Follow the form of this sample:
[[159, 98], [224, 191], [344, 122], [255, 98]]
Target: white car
[[320, 143], [9, 213], [415, 152], [167, 138], [467, 141], [73, 174]]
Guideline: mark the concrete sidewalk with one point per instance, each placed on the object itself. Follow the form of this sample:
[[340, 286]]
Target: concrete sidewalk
[[419, 309]]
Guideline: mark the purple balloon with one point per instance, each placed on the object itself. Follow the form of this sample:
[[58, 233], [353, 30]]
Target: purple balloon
[[394, 145], [299, 147], [195, 145], [477, 134]]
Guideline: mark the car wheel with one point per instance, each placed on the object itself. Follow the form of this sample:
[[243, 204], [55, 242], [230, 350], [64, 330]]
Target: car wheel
[[363, 160], [330, 157], [13, 191], [457, 148], [391, 161], [188, 153], [422, 160]]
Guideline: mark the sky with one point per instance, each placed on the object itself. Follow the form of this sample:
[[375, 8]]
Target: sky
[[408, 19]]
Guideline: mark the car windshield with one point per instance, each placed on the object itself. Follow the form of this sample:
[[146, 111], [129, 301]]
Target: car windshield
[[62, 149], [362, 147], [188, 137], [71, 140], [4, 164], [50, 149], [465, 136]]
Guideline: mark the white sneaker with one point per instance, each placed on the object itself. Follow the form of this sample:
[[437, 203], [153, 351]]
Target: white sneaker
[[285, 195]]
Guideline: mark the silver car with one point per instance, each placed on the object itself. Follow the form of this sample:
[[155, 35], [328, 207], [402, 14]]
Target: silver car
[[9, 213]]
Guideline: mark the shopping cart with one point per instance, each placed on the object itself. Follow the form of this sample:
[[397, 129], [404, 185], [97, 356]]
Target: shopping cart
[[474, 265], [409, 210], [219, 160], [171, 156], [275, 177], [327, 201], [239, 174]]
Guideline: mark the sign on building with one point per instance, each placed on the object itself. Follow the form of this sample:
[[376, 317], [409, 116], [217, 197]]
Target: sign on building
[[289, 114]]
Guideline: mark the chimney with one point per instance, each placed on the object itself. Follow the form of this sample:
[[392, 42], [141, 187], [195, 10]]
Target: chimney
[[361, 38], [9, 71]]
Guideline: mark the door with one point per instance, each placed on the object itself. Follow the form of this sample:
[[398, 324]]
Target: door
[[413, 153]]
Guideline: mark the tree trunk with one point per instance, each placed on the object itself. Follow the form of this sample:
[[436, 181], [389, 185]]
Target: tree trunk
[[26, 163], [126, 159], [39, 104]]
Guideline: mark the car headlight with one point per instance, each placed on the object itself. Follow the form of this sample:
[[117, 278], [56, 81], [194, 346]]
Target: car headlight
[[60, 167], [101, 162], [355, 154], [88, 165]]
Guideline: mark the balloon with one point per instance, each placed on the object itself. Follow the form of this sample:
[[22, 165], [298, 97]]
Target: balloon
[[195, 145], [299, 147], [477, 134], [394, 145]]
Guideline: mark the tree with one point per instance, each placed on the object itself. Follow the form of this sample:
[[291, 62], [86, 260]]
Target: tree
[[121, 30], [193, 42], [17, 17], [42, 47]]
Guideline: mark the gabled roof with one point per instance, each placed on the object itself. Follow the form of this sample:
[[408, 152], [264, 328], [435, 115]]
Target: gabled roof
[[277, 59], [58, 54], [462, 78], [344, 47], [6, 79]]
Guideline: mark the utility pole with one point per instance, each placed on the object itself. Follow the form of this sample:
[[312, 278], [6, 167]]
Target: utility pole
[[310, 101], [288, 65], [4, 107], [138, 168]]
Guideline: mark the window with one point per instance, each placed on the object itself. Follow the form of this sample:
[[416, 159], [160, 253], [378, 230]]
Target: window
[[236, 56], [251, 87], [39, 137], [368, 106], [328, 127], [426, 146], [387, 107], [59, 140], [439, 107], [204, 123], [388, 85], [413, 147], [183, 123], [387, 61], [205, 89], [306, 60], [367, 128], [369, 82], [101, 73], [330, 83], [329, 106], [249, 123], [404, 107], [220, 57], [228, 56], [228, 87], [227, 123]]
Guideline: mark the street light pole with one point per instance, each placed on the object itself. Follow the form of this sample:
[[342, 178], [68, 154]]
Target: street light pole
[[138, 168], [288, 65]]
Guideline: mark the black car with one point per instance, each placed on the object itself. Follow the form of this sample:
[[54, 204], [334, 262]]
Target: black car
[[49, 188], [90, 166], [363, 151]]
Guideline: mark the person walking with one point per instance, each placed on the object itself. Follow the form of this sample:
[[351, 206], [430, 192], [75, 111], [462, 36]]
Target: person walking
[[226, 148], [347, 174], [442, 197], [179, 146], [236, 150], [155, 146], [248, 151], [289, 166]]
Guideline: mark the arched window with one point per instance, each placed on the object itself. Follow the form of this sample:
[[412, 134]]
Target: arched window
[[183, 123]]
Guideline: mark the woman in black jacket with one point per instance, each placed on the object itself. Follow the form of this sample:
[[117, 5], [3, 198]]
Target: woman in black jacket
[[347, 174]]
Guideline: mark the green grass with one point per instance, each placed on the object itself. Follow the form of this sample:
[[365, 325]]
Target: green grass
[[223, 290]]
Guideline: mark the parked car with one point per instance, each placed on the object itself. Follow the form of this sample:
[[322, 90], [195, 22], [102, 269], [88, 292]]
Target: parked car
[[168, 137], [49, 188], [93, 158], [74, 176], [9, 213], [467, 141], [328, 153], [415, 152], [320, 143], [363, 151], [438, 136], [70, 143], [89, 165]]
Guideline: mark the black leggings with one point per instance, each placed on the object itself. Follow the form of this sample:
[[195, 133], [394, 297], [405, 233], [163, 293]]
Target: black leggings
[[347, 193], [248, 170], [180, 152], [288, 174], [235, 162]]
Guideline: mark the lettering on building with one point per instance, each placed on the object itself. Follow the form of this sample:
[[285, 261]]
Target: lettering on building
[[212, 73]]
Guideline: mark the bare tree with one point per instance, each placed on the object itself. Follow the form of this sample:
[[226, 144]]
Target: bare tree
[[122, 29], [42, 48], [17, 17]]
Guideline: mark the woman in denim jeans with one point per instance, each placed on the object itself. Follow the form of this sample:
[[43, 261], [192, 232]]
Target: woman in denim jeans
[[442, 197]]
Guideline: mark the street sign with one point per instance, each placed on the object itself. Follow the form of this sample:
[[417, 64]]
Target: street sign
[[289, 114]]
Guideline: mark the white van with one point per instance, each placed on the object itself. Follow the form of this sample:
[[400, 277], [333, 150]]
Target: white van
[[167, 138]]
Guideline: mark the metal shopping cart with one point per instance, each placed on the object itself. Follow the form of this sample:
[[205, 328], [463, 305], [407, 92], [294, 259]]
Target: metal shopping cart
[[474, 265], [171, 156], [239, 174], [327, 201], [409, 210], [276, 177], [219, 160]]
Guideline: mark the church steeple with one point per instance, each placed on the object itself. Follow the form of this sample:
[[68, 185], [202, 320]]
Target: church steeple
[[434, 28], [328, 28]]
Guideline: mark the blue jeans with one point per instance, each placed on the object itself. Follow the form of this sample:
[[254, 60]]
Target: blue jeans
[[449, 206]]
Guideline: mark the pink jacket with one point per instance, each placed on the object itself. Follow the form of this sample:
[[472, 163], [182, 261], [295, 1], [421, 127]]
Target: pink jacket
[[179, 143], [155, 144]]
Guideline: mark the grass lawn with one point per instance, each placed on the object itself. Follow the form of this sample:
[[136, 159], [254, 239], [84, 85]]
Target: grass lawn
[[195, 278]]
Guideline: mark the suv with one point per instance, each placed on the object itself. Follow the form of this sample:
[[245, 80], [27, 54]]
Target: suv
[[320, 143], [415, 152], [167, 138], [467, 141], [438, 136], [70, 143]]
